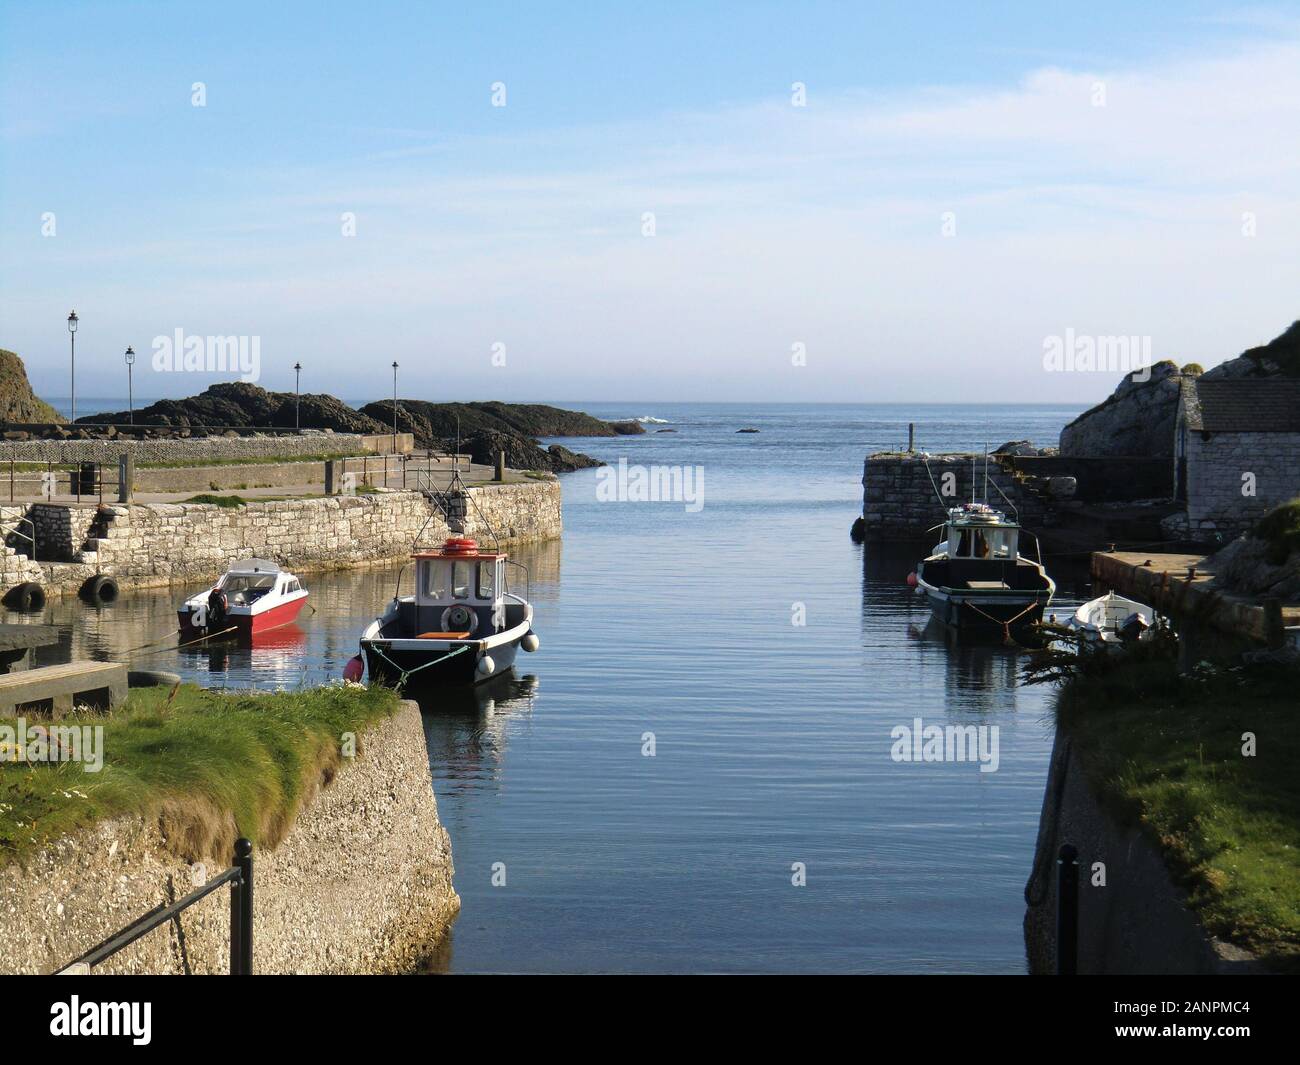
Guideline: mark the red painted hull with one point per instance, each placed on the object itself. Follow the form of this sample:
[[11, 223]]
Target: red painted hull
[[247, 626]]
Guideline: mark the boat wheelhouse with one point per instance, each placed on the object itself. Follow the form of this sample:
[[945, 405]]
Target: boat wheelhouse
[[253, 596], [976, 579], [461, 625]]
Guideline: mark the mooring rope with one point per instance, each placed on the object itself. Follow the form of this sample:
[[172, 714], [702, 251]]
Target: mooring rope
[[405, 674], [189, 643], [1006, 625]]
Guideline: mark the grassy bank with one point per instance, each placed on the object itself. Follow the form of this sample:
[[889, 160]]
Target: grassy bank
[[1166, 752], [212, 766]]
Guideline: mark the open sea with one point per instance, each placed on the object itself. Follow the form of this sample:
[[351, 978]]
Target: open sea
[[708, 719]]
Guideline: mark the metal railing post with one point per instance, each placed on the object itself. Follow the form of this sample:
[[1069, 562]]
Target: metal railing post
[[241, 912], [1067, 911]]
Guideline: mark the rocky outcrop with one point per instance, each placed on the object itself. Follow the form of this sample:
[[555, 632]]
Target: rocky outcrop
[[1265, 561], [1137, 419], [362, 883], [439, 421], [1280, 357], [522, 453], [237, 404], [482, 430], [18, 403]]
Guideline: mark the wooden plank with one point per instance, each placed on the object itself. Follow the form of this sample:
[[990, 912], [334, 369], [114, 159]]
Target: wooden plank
[[60, 685], [59, 673]]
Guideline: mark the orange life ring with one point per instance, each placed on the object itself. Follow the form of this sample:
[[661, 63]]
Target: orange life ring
[[460, 545]]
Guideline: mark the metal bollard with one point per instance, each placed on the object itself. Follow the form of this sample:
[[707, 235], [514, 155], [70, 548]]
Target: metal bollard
[[241, 912], [1067, 910]]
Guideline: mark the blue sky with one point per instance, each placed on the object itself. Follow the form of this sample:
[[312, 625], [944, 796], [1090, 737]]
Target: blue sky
[[951, 194]]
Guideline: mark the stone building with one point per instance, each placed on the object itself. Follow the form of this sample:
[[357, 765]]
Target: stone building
[[1236, 452]]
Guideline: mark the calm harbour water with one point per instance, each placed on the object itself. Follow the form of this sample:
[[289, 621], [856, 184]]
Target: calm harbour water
[[771, 739]]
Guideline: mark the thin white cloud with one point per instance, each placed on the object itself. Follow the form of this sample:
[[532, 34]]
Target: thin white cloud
[[777, 224]]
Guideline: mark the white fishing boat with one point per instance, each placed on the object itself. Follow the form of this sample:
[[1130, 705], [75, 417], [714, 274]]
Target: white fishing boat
[[977, 579], [1113, 620], [252, 597], [462, 624]]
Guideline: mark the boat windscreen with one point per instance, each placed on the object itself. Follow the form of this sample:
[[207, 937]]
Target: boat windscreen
[[983, 542]]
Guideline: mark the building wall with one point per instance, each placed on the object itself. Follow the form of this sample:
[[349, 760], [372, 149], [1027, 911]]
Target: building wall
[[1216, 467]]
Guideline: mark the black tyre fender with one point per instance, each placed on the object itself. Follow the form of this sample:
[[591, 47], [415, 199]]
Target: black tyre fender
[[100, 589], [151, 678], [26, 596]]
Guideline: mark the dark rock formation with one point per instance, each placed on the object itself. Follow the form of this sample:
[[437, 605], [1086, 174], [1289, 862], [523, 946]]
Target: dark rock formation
[[440, 420], [240, 405], [1280, 357], [522, 453], [18, 403], [627, 428], [1137, 418], [485, 428]]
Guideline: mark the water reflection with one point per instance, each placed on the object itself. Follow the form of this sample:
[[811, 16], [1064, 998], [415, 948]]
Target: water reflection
[[466, 728], [981, 673], [139, 628]]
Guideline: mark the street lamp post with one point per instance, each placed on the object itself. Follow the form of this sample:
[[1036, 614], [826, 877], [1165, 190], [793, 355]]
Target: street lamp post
[[72, 337], [297, 376], [394, 406], [130, 391]]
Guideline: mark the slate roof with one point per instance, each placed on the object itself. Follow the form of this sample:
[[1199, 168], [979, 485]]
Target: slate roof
[[1262, 405]]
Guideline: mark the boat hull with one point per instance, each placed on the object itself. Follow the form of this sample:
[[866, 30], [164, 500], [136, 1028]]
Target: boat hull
[[982, 614], [246, 626], [429, 668]]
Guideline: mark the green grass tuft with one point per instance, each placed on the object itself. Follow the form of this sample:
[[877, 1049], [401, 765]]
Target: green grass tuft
[[1280, 528], [217, 500], [1165, 751], [212, 766]]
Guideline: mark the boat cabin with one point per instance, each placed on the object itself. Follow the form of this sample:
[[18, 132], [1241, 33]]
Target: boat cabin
[[459, 592], [252, 578], [968, 539]]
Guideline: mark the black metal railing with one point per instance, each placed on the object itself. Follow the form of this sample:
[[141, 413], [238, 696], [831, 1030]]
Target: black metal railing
[[240, 878]]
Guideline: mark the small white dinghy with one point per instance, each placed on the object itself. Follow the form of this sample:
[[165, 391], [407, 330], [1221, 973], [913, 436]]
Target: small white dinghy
[[1113, 620]]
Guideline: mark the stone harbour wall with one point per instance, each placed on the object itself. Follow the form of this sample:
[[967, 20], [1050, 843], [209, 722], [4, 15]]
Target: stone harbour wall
[[900, 501], [361, 884], [61, 530], [187, 449], [518, 513], [146, 544], [375, 470], [155, 543]]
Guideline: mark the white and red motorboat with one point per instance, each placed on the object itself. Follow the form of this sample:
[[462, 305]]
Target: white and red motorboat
[[252, 597]]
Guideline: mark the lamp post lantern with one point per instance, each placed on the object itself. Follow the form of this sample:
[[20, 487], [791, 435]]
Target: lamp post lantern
[[394, 406], [297, 377], [72, 338], [130, 392]]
